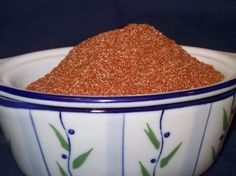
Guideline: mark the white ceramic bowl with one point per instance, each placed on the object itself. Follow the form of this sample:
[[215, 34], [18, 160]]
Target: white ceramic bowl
[[178, 133]]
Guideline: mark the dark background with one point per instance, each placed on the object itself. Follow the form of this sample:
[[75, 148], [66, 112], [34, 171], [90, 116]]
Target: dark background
[[32, 25]]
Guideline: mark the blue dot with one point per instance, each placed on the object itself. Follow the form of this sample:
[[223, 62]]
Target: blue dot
[[71, 131], [167, 134], [153, 160], [222, 137], [64, 156]]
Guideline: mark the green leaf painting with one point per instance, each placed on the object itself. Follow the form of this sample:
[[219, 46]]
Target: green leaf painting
[[144, 171], [62, 171], [77, 162], [225, 127], [225, 120], [152, 137], [165, 160], [157, 145], [213, 152], [60, 137]]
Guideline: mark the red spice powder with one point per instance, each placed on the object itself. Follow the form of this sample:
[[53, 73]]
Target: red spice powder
[[137, 59]]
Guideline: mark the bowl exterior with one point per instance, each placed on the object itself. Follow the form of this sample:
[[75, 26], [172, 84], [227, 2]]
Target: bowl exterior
[[181, 139]]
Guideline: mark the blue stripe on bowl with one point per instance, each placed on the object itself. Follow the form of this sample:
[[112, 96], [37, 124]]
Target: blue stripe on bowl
[[18, 104], [116, 99]]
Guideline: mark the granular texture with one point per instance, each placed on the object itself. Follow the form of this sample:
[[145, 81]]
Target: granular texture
[[137, 59]]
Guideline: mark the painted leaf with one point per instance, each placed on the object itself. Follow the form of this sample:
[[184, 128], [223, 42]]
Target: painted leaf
[[77, 162], [152, 137], [144, 170], [213, 151], [61, 139], [225, 120], [62, 171], [165, 160]]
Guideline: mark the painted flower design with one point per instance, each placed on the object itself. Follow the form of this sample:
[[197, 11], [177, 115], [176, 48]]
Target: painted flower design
[[226, 119], [72, 163], [158, 144]]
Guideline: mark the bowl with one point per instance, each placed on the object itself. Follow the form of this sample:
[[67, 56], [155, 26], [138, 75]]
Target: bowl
[[176, 133]]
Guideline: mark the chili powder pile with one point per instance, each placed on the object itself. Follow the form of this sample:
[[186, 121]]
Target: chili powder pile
[[136, 59]]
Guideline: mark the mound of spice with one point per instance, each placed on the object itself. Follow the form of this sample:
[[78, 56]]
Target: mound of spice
[[136, 59]]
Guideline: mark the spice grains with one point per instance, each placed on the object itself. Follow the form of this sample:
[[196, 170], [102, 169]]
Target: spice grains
[[136, 59]]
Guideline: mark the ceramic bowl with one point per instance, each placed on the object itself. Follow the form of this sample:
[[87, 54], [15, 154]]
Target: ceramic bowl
[[177, 133]]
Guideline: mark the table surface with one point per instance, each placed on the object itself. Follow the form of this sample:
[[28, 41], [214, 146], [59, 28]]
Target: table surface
[[27, 26]]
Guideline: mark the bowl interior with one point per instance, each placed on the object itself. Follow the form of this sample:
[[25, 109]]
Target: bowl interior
[[21, 71], [18, 72]]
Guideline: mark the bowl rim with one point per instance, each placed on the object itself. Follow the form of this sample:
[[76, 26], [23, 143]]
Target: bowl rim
[[30, 105], [116, 99]]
